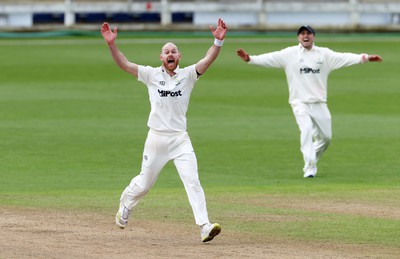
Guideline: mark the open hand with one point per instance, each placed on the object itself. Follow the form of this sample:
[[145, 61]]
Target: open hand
[[243, 54], [108, 35], [221, 30], [374, 58]]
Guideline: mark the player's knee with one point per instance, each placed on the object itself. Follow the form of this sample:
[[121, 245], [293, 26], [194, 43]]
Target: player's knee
[[327, 140], [142, 188]]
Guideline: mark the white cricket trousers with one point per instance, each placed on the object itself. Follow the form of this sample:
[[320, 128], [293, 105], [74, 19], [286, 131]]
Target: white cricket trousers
[[314, 121], [159, 149]]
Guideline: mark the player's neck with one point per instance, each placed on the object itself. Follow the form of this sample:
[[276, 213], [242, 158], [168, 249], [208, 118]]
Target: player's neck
[[169, 71]]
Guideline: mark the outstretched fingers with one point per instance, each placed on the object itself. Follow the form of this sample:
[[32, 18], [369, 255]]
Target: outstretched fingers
[[105, 27], [375, 58], [243, 54], [222, 23], [108, 35], [220, 32]]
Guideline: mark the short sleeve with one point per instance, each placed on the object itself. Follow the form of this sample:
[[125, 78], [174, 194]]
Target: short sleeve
[[143, 74]]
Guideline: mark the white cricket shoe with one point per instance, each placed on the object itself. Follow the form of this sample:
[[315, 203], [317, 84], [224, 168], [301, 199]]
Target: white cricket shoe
[[209, 231], [122, 216], [311, 172]]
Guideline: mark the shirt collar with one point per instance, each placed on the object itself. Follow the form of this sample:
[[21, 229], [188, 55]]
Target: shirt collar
[[304, 49], [175, 71]]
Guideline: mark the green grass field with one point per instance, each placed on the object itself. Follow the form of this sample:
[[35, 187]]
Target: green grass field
[[72, 129]]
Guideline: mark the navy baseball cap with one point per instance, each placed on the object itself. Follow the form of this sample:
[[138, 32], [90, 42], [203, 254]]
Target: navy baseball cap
[[305, 27]]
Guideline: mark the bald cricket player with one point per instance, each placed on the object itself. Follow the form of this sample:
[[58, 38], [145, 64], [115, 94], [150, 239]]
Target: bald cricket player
[[169, 88]]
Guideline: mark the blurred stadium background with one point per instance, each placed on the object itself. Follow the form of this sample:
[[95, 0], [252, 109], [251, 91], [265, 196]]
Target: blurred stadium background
[[259, 15]]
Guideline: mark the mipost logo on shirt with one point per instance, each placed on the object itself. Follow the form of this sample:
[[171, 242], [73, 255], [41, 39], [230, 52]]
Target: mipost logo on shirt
[[164, 93], [308, 70]]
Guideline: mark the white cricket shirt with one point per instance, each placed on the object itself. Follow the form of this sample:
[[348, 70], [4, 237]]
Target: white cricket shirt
[[306, 70], [169, 96]]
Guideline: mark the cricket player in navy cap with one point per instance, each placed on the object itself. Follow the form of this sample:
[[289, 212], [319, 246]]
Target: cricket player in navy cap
[[307, 68]]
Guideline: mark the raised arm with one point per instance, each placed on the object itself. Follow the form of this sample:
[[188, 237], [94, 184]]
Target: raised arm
[[212, 53], [117, 55]]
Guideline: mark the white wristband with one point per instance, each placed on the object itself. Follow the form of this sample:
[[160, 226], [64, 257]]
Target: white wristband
[[218, 42], [365, 58]]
